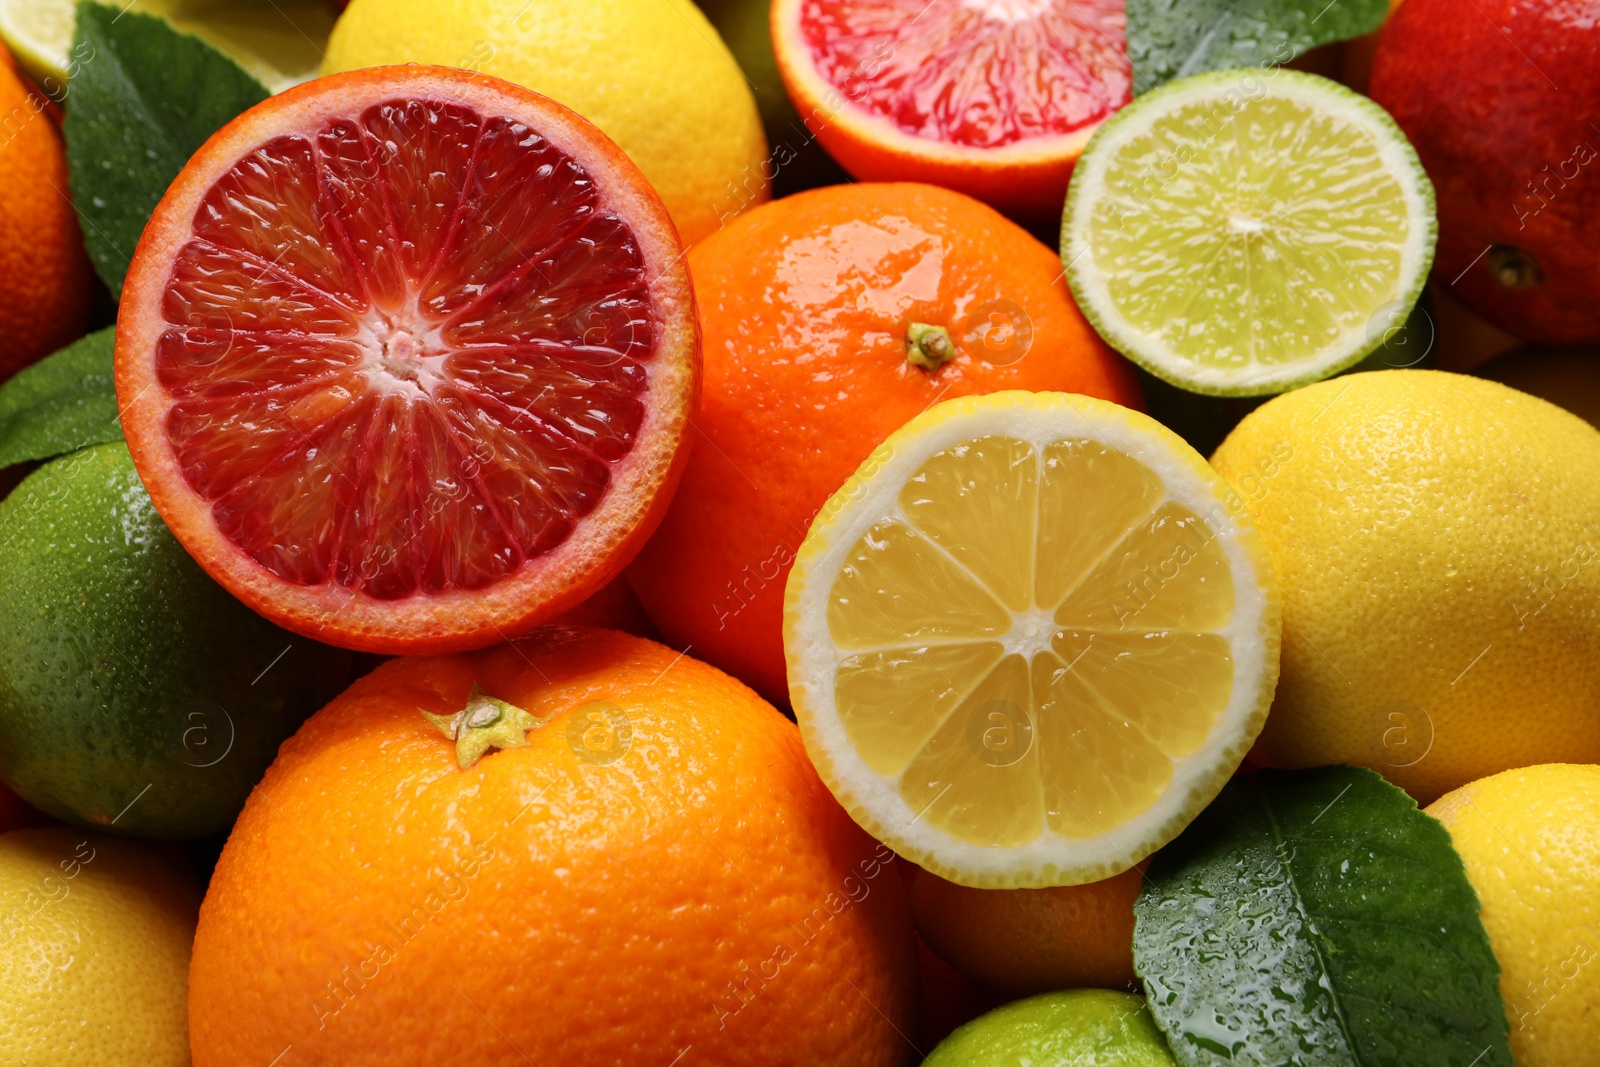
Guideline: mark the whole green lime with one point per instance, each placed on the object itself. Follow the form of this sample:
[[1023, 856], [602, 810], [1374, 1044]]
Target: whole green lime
[[1083, 1027], [136, 695]]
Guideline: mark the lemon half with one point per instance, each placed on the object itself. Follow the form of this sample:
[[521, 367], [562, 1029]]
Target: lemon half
[[1030, 639]]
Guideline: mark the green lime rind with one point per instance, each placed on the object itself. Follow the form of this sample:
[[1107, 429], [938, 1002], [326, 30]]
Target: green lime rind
[[1097, 1027], [1369, 296], [136, 695]]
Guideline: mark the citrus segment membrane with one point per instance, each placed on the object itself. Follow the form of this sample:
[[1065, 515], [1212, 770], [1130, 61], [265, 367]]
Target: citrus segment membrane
[[1044, 632], [404, 349], [958, 567], [1238, 232], [973, 73]]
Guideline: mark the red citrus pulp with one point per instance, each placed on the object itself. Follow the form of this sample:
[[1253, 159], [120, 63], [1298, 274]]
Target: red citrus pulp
[[993, 98], [405, 357]]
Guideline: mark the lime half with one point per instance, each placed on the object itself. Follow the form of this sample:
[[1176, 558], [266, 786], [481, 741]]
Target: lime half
[[280, 42], [1243, 232]]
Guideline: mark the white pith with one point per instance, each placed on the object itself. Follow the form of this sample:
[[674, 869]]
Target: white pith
[[402, 352], [1009, 10]]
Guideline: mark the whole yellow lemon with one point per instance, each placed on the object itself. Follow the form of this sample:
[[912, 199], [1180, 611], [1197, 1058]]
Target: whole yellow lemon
[[94, 951], [1436, 539], [1530, 839], [652, 74]]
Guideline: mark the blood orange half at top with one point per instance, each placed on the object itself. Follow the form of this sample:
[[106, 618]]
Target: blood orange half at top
[[994, 98], [405, 358]]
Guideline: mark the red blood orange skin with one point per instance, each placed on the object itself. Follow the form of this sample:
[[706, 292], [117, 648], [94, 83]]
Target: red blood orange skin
[[994, 98], [805, 305], [405, 358], [1502, 100]]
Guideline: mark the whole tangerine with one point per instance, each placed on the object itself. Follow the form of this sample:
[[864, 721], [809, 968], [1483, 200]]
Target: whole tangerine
[[45, 276], [828, 320]]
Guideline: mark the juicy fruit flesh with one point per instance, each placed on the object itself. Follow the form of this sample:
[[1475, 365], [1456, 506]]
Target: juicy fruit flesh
[[975, 73], [1032, 640], [1274, 240], [405, 350]]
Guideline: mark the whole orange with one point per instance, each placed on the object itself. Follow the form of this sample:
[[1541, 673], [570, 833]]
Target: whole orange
[[45, 276], [657, 876], [1026, 941], [806, 308]]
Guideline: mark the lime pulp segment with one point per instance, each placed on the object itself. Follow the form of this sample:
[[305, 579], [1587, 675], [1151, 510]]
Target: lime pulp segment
[[1243, 232]]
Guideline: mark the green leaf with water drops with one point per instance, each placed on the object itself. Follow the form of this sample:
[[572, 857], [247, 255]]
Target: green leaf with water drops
[[1318, 919], [1171, 38], [65, 402], [144, 98]]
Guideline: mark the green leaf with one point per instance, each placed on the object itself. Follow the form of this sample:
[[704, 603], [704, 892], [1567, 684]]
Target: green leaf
[[1171, 38], [60, 404], [1317, 918], [148, 97]]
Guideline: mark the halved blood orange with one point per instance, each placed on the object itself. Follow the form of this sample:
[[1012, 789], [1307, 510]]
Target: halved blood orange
[[994, 98], [405, 358]]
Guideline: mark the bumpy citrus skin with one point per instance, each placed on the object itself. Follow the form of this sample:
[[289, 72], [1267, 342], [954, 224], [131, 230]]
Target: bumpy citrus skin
[[45, 276], [135, 694], [1499, 98], [1087, 1026], [804, 308], [378, 905], [94, 951], [1530, 839], [1027, 941], [1434, 544], [652, 74]]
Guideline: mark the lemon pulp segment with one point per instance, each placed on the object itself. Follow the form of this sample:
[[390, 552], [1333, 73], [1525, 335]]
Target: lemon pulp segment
[[1031, 640]]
